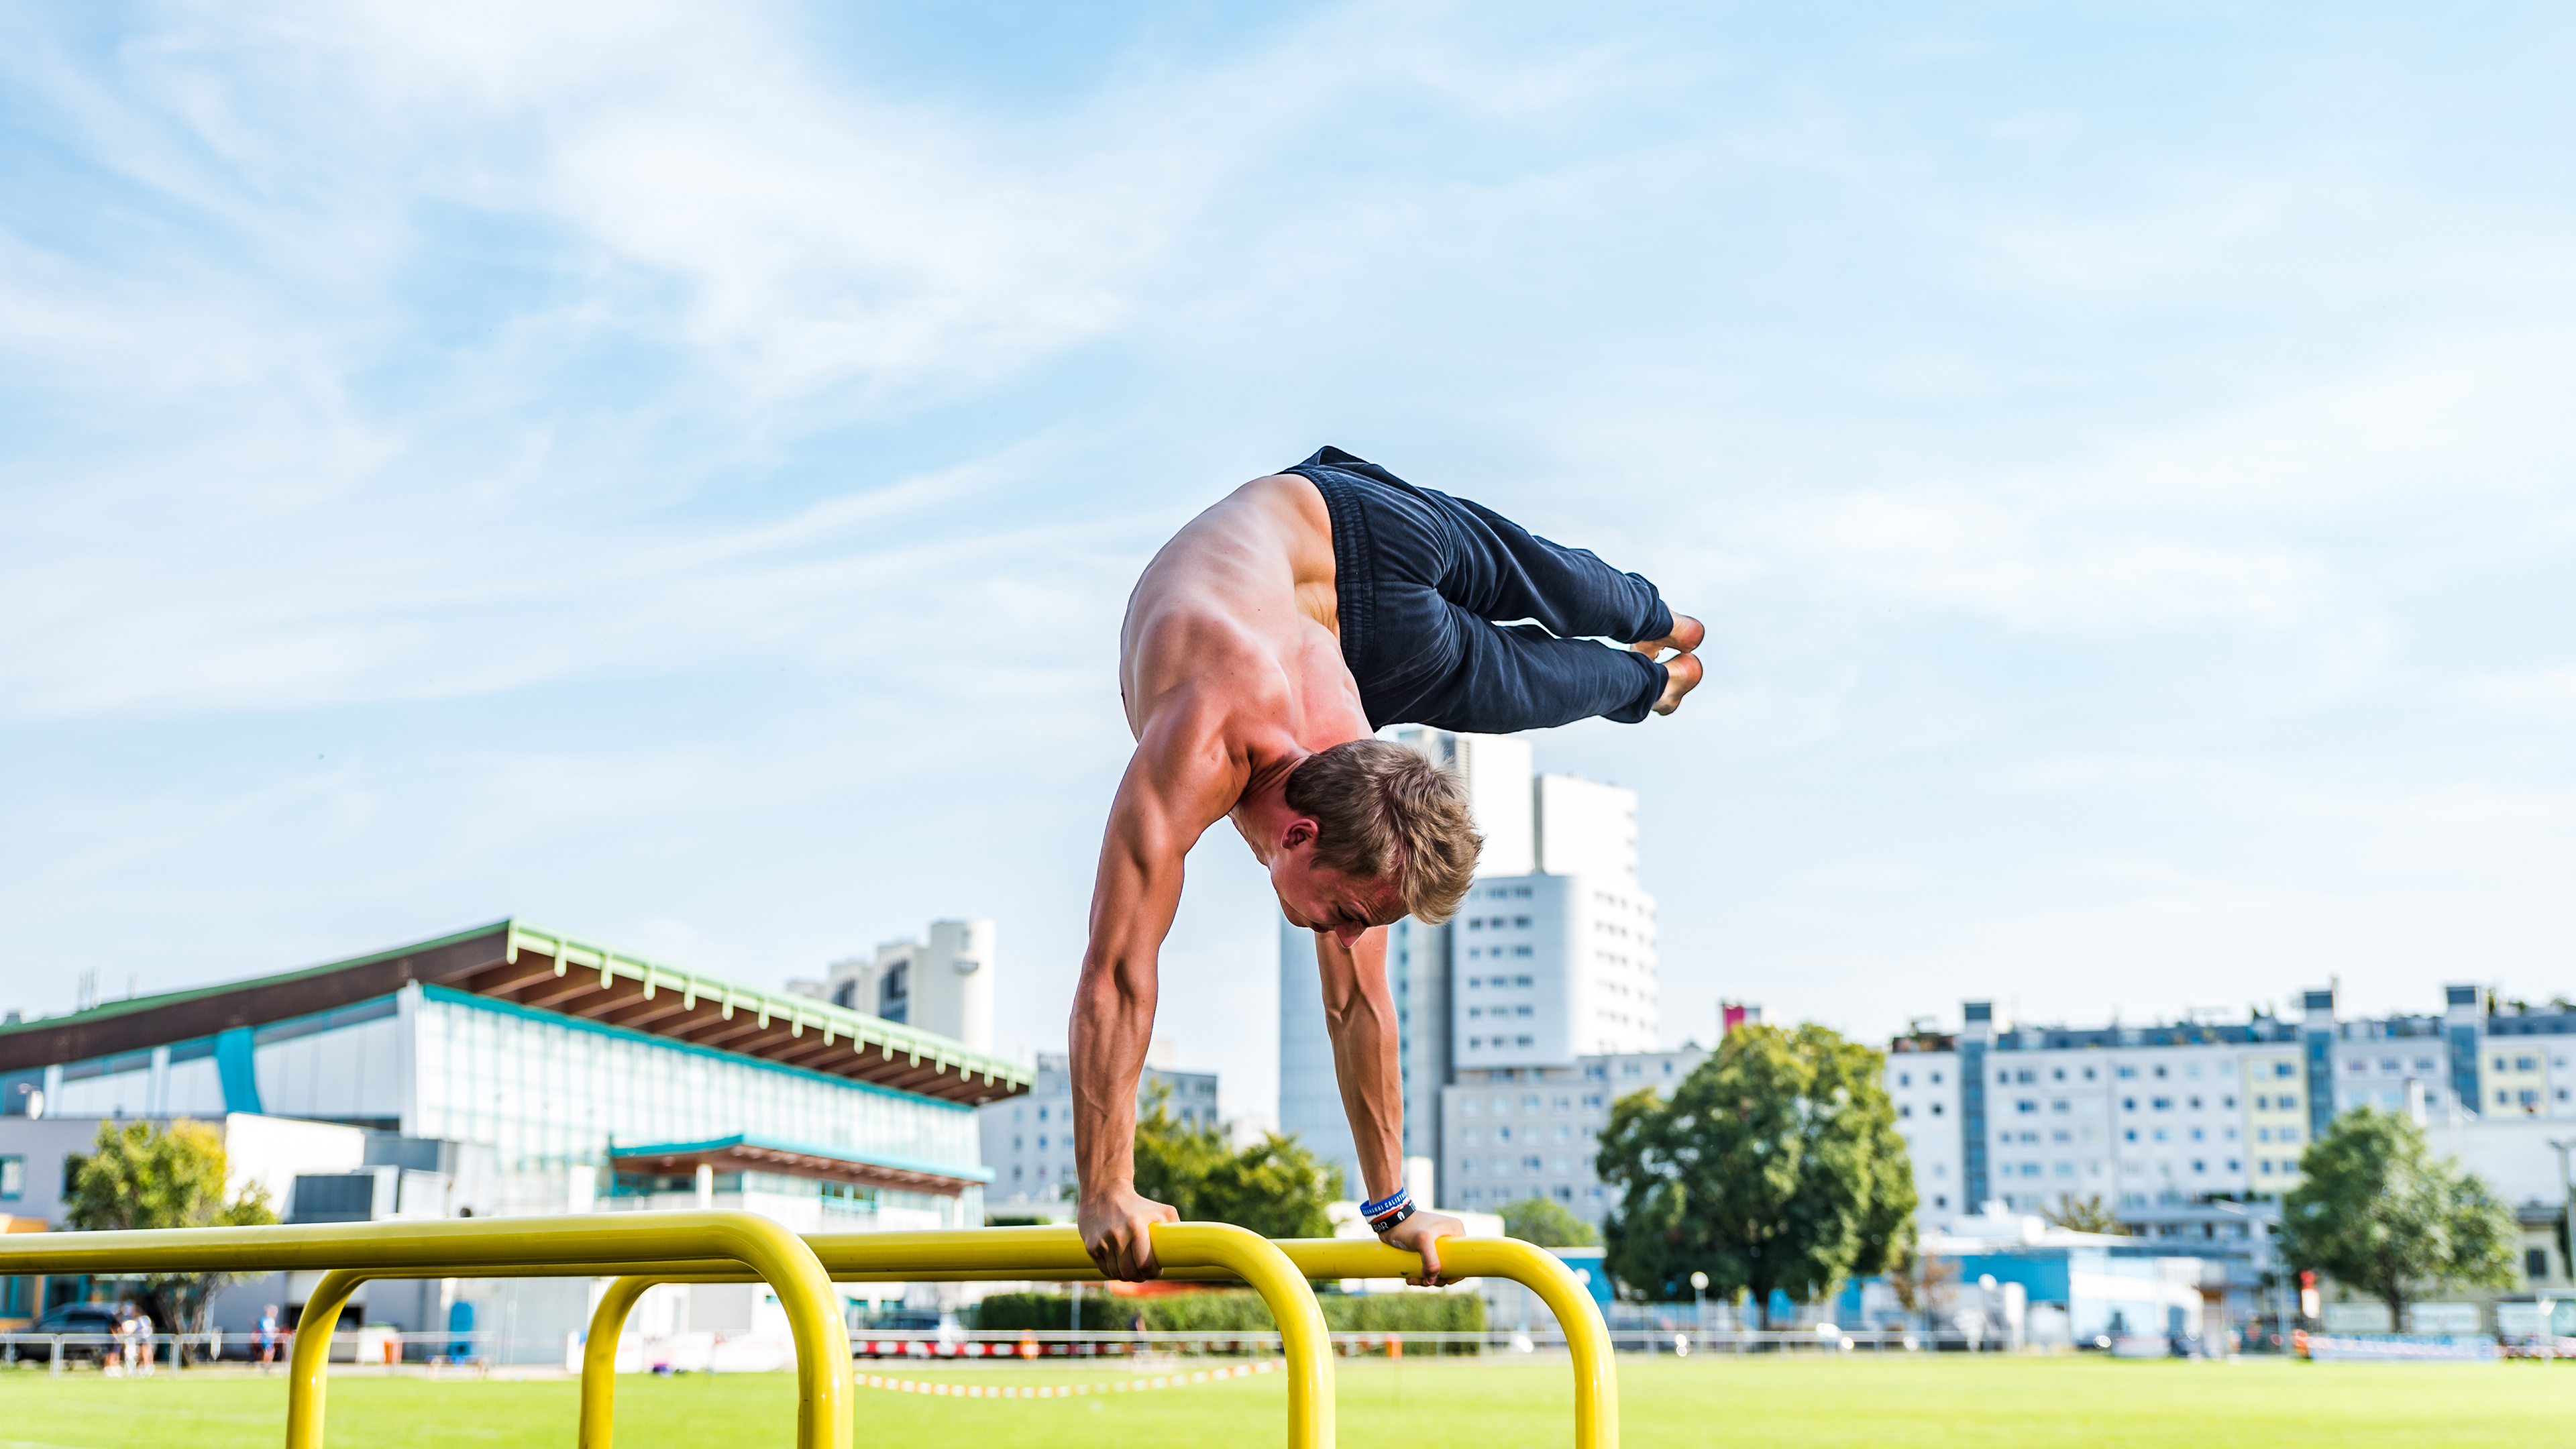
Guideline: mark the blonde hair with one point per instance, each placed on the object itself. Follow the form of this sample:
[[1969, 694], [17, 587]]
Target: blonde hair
[[1385, 810]]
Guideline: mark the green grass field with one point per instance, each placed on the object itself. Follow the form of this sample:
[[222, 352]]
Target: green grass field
[[1856, 1402]]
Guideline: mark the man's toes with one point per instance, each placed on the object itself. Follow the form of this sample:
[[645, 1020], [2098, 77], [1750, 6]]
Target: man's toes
[[1682, 674], [1686, 637]]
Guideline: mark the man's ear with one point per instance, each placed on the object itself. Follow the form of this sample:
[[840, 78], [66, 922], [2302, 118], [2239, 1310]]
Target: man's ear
[[1301, 831]]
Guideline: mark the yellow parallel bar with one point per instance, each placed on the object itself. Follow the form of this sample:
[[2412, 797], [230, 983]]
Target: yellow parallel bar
[[565, 1246], [1212, 1249], [1596, 1377], [599, 1361], [309, 1362]]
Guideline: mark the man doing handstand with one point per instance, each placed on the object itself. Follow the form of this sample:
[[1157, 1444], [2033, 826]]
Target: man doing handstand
[[1263, 648]]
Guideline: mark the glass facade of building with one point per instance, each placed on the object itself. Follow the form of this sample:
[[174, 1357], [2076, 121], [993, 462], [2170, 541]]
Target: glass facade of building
[[548, 1091], [552, 1096]]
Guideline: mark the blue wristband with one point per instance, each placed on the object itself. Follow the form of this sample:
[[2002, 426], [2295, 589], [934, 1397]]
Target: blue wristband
[[1385, 1205]]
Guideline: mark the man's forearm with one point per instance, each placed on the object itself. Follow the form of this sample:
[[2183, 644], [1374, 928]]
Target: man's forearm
[[1112, 1024], [1360, 1012]]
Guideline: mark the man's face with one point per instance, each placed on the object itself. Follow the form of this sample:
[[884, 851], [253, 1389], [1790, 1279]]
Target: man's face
[[1328, 901]]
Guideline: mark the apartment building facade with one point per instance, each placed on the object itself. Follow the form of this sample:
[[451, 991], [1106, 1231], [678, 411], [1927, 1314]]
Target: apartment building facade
[[2152, 1117]]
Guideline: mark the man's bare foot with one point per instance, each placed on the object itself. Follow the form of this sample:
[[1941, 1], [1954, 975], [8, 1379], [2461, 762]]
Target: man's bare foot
[[1681, 676], [1686, 636]]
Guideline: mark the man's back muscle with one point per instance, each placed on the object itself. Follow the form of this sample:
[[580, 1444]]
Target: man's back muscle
[[1228, 650]]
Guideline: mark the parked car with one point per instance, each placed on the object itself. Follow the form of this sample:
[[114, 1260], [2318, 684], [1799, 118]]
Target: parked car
[[89, 1318]]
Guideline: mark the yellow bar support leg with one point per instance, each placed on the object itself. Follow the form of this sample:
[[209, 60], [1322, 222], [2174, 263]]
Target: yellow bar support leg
[[310, 1361], [1587, 1339], [1304, 1338], [813, 1307], [599, 1360]]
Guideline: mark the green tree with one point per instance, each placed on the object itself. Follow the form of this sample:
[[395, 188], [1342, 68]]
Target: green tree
[[2086, 1215], [1775, 1165], [1275, 1187], [2376, 1211], [1547, 1223], [137, 1175]]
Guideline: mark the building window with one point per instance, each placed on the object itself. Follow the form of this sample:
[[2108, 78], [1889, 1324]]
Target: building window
[[13, 1178], [2535, 1264]]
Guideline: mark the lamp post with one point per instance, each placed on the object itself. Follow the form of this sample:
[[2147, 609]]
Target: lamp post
[[1699, 1302], [2567, 1202]]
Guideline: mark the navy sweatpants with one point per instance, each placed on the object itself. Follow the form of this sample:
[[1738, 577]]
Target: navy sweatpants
[[1425, 582]]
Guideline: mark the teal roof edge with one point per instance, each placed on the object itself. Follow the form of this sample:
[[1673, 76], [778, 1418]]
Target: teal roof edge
[[806, 1149]]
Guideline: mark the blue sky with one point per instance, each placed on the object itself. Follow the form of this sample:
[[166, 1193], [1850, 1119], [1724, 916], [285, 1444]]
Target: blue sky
[[674, 472]]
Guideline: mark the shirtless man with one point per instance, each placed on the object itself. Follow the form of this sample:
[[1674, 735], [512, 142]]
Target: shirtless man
[[1263, 648]]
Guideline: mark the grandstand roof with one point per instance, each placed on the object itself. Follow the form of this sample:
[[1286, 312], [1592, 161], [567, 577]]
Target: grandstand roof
[[531, 967]]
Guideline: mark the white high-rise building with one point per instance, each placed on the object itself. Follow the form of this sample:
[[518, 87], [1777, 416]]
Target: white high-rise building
[[1551, 957], [943, 983], [1536, 1132]]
